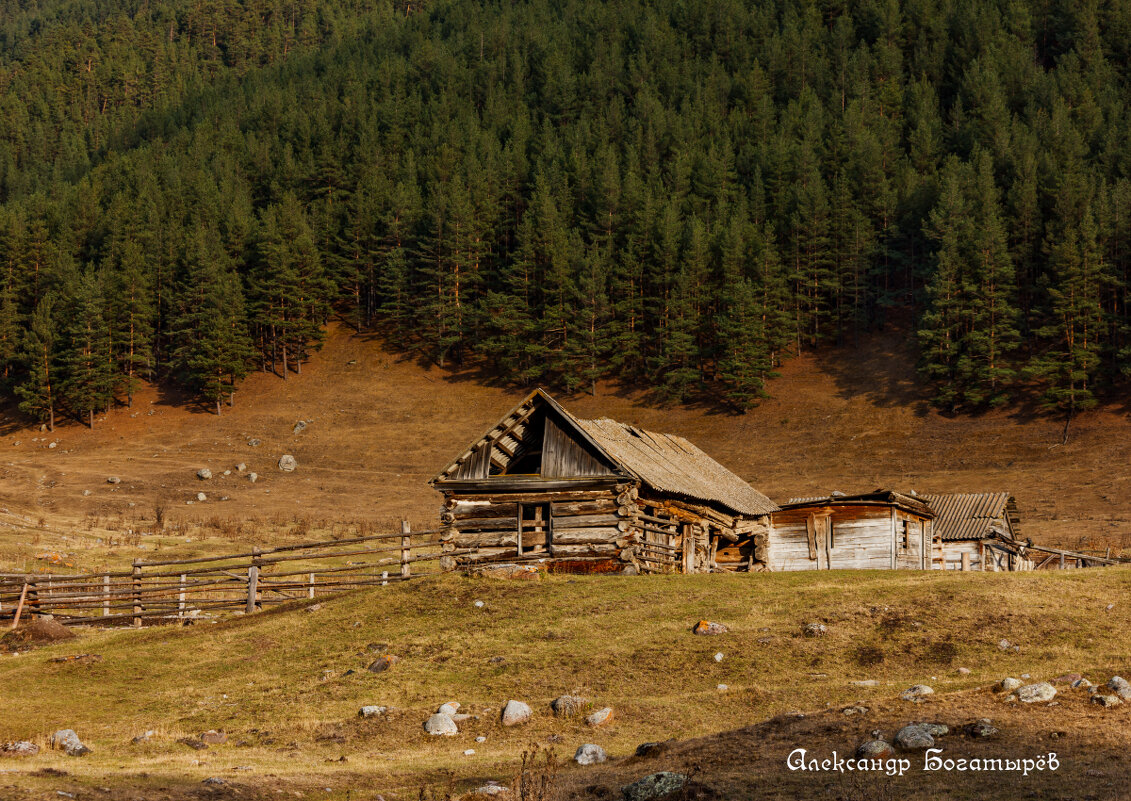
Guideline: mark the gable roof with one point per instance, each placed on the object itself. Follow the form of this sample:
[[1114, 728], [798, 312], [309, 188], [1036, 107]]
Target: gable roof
[[664, 462], [882, 497], [971, 516]]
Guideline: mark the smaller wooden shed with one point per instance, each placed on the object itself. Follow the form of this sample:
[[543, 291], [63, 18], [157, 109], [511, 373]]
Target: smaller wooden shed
[[544, 486], [977, 531], [881, 530]]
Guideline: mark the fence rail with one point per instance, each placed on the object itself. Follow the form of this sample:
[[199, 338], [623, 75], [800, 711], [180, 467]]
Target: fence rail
[[171, 590]]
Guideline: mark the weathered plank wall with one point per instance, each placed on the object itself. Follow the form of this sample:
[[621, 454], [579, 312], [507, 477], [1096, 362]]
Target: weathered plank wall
[[861, 539], [953, 551]]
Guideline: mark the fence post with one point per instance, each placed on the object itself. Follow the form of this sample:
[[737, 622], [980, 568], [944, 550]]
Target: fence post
[[181, 600], [311, 590], [137, 592], [252, 580], [106, 595], [19, 607], [406, 549]]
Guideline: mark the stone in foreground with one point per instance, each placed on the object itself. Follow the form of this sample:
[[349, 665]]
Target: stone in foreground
[[600, 717], [915, 737], [874, 749], [706, 628], [69, 743], [566, 706], [916, 692], [441, 724], [1035, 693], [590, 754], [516, 713], [654, 785]]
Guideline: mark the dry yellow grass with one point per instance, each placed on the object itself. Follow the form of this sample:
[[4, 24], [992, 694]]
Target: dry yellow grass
[[622, 642]]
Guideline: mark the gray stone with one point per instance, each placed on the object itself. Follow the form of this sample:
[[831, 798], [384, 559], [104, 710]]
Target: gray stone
[[113, 480], [600, 717], [1005, 645], [19, 749], [1106, 701], [214, 781], [241, 467], [980, 729], [213, 737], [480, 739], [441, 724], [516, 713], [1008, 685], [1081, 684], [706, 628], [69, 743], [590, 754], [449, 708], [252, 477], [1035, 693], [204, 474], [1120, 686], [300, 426], [815, 630], [492, 788], [372, 711], [963, 671], [200, 496], [287, 463], [865, 683], [144, 737], [381, 663], [916, 692], [253, 443], [855, 710], [914, 737], [874, 749], [653, 786], [651, 749], [936, 729], [566, 706]]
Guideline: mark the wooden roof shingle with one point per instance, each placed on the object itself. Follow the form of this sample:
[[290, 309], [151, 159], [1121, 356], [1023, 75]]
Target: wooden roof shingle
[[971, 516]]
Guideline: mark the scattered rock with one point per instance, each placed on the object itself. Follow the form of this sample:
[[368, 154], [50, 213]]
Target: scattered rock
[[566, 706], [590, 754], [865, 683], [963, 671], [372, 711], [450, 708], [497, 660], [646, 750], [204, 474], [300, 426], [1120, 686], [706, 628], [213, 737], [382, 663], [1035, 693], [192, 743], [22, 748], [241, 467], [1005, 645], [252, 477], [515, 713], [69, 743], [815, 630], [936, 729], [479, 604], [313, 608], [53, 445], [200, 496], [1081, 684], [654, 785], [82, 658], [253, 443], [86, 493], [144, 737], [1008, 685], [441, 724], [287, 463], [874, 749], [1106, 701], [480, 739], [113, 480], [214, 781], [469, 752], [600, 717], [980, 729], [1067, 678], [520, 572], [916, 693], [915, 737], [492, 788], [721, 688], [856, 710]]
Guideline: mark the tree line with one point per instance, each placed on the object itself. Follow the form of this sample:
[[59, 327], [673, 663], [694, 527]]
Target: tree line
[[677, 195]]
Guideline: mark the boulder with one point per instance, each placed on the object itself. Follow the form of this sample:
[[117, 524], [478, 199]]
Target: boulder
[[214, 781], [213, 737], [936, 729], [241, 467], [113, 480], [516, 713], [814, 630], [381, 663], [204, 474], [144, 737], [253, 443], [566, 706], [1081, 684], [719, 656], [492, 788], [916, 692], [1106, 701], [651, 749], [980, 729], [654, 785], [300, 426], [600, 717], [287, 463], [963, 671], [874, 749], [69, 743], [1005, 645], [252, 477], [200, 496], [372, 711], [21, 748], [706, 628], [914, 737], [1035, 693], [1121, 687], [590, 754], [450, 708], [1008, 685], [441, 725]]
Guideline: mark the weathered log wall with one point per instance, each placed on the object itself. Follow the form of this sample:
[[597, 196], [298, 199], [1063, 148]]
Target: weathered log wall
[[861, 538]]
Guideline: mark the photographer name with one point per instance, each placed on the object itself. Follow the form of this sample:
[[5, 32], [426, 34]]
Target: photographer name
[[799, 759]]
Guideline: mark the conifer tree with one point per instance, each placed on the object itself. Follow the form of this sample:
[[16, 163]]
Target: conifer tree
[[86, 376], [37, 391]]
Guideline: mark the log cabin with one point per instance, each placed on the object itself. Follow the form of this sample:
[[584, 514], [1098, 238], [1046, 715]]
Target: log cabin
[[881, 530], [977, 531], [573, 495]]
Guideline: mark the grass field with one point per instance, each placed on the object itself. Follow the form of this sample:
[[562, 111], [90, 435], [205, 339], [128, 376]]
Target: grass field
[[276, 683]]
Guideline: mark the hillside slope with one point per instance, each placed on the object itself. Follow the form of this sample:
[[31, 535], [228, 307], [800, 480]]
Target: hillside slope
[[381, 425]]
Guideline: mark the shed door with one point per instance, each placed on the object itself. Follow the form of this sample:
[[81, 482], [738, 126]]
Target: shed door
[[821, 540]]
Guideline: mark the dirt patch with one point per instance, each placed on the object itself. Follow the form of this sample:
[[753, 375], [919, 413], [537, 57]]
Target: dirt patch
[[36, 632]]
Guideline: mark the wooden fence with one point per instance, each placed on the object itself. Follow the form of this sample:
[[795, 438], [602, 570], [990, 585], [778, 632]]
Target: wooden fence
[[161, 591]]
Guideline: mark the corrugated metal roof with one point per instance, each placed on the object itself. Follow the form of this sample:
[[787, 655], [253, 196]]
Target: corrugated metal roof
[[908, 502], [969, 516], [669, 463]]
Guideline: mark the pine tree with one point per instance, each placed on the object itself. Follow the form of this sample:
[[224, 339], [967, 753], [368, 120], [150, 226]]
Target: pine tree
[[86, 376], [132, 313], [37, 391]]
